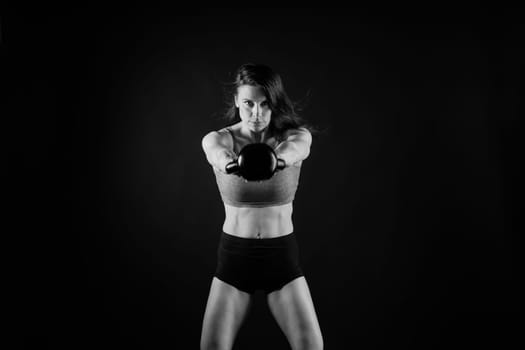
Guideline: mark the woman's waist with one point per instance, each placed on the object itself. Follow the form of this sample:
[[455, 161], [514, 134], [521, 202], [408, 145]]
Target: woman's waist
[[256, 233], [267, 222], [249, 246], [274, 212]]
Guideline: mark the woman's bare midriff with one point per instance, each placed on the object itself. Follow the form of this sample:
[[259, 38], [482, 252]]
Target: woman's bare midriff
[[266, 222]]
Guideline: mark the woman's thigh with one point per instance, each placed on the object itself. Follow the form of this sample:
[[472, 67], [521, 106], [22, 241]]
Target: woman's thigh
[[294, 311], [226, 309]]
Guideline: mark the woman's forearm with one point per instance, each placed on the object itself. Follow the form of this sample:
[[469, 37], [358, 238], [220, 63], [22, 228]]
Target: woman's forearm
[[222, 157], [291, 152]]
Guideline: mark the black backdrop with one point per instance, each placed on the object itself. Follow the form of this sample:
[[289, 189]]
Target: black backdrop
[[406, 211]]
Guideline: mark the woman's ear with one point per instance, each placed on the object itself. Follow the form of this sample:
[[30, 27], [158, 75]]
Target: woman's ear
[[235, 100]]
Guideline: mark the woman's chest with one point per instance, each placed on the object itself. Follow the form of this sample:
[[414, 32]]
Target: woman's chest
[[238, 144]]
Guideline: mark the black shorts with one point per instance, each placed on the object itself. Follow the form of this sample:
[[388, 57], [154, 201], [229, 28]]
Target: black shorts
[[251, 264]]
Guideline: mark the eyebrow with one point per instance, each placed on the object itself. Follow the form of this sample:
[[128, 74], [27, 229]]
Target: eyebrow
[[247, 99]]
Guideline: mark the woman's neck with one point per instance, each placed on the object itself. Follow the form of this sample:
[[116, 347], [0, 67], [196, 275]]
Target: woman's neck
[[256, 137]]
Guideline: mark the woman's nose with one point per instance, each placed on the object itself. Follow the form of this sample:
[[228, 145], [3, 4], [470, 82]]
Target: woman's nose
[[256, 111]]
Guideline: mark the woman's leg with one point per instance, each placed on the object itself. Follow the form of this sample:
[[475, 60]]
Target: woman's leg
[[294, 311], [226, 309]]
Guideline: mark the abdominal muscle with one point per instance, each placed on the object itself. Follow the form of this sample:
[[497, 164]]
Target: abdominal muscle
[[266, 222]]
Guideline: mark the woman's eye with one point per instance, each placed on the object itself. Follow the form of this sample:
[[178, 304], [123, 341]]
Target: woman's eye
[[248, 103]]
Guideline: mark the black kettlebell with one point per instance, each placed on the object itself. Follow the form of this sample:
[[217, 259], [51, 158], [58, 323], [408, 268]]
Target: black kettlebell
[[257, 162]]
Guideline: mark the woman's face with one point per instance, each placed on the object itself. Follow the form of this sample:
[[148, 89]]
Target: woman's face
[[253, 107]]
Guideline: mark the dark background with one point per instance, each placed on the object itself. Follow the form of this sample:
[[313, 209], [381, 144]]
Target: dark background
[[406, 212]]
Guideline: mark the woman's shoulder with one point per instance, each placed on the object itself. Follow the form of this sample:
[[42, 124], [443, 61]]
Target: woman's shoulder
[[225, 136], [296, 130], [226, 129], [299, 131], [221, 136]]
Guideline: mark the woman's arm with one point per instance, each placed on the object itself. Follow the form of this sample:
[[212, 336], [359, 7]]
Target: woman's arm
[[295, 147], [217, 151]]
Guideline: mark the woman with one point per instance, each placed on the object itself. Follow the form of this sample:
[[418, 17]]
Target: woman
[[258, 247]]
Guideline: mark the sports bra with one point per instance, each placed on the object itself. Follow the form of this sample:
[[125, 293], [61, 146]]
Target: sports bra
[[278, 190]]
